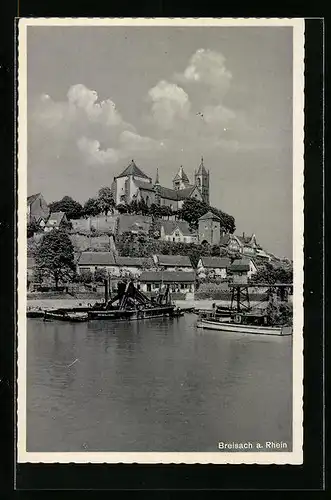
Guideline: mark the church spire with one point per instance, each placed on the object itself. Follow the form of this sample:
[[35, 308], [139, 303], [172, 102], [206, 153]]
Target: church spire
[[157, 177]]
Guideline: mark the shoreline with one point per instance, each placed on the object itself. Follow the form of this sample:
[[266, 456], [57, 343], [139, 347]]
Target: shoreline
[[49, 304]]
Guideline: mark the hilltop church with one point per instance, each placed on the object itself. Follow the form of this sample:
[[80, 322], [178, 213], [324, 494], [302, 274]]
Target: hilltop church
[[134, 184]]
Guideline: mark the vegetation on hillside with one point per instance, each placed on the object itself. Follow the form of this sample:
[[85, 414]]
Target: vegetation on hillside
[[55, 257]]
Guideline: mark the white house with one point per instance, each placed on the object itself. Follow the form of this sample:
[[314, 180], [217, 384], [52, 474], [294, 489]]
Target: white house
[[114, 266], [173, 262], [243, 267], [178, 231], [213, 267], [91, 261], [179, 281], [132, 266]]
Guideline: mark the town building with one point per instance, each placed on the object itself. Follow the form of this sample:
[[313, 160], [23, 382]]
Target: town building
[[37, 208], [245, 245], [178, 281], [56, 220], [213, 267], [173, 263], [209, 229], [178, 231], [242, 268], [124, 267], [134, 184]]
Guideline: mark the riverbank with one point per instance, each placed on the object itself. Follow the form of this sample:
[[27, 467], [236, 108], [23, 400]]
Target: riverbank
[[50, 304]]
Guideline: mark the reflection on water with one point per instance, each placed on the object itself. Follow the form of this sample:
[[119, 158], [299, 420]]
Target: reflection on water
[[156, 385]]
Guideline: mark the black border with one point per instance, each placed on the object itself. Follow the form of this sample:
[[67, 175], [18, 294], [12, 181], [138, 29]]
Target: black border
[[171, 477]]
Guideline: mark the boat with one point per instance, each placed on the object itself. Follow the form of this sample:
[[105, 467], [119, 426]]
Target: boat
[[240, 317], [228, 326], [131, 304], [63, 315]]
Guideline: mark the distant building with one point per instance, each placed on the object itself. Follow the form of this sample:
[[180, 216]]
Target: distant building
[[92, 261], [179, 281], [213, 267], [245, 245], [134, 184], [56, 220], [242, 267], [37, 208], [178, 231], [210, 229], [173, 262], [114, 266]]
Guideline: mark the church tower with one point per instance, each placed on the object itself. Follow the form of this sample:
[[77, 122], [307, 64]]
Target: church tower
[[202, 181], [180, 181]]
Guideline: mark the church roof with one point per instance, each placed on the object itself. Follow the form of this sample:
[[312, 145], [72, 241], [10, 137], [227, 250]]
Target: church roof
[[132, 169], [181, 176], [146, 186], [209, 215], [176, 194], [201, 169]]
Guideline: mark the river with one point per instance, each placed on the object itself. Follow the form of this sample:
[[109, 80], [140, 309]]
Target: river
[[157, 385]]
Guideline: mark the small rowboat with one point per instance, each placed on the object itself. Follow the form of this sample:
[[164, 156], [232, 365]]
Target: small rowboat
[[228, 326]]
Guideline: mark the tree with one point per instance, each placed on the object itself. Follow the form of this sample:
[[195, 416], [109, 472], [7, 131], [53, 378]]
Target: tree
[[106, 200], [55, 257], [32, 228], [122, 208], [100, 275], [272, 273], [70, 207], [91, 207], [193, 209]]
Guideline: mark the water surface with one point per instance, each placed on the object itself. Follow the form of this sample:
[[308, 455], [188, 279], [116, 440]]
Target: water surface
[[155, 385]]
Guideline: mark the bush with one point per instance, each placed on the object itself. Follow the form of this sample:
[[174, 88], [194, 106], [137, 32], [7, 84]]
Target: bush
[[86, 277], [100, 275], [212, 291], [280, 313]]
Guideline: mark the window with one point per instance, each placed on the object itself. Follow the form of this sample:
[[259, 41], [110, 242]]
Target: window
[[184, 239], [149, 287], [173, 239]]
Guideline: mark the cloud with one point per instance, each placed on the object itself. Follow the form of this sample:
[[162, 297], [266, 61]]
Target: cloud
[[132, 141], [84, 99], [94, 155], [207, 67], [218, 115], [170, 103]]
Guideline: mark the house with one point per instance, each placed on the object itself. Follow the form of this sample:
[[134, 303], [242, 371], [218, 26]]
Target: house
[[37, 208], [178, 231], [173, 262], [56, 220], [245, 245], [209, 229], [213, 267], [91, 261], [243, 268], [132, 266], [179, 281], [114, 266]]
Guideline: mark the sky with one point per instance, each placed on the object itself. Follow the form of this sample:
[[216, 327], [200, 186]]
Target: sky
[[101, 96]]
